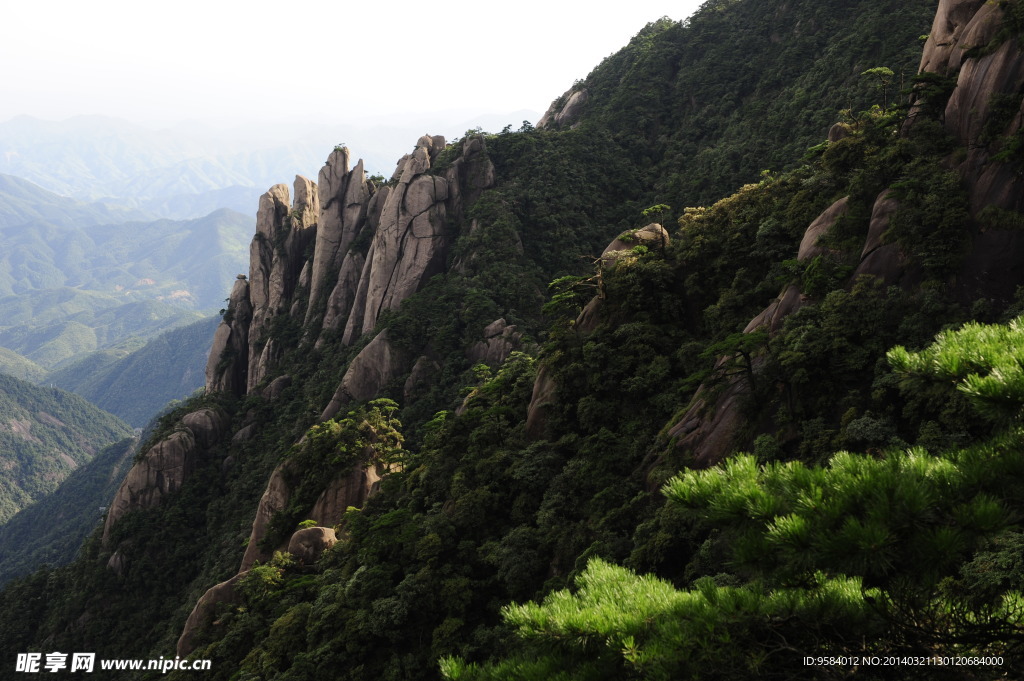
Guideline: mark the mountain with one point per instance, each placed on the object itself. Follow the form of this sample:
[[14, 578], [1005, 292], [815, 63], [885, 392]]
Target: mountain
[[22, 202], [187, 260], [135, 383], [13, 364], [192, 169], [71, 284], [416, 459], [50, 531], [45, 434]]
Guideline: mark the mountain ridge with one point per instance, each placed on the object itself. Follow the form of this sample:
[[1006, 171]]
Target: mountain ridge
[[420, 533]]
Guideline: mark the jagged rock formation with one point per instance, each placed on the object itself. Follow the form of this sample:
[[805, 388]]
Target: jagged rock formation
[[371, 249], [226, 368], [409, 244], [344, 202]]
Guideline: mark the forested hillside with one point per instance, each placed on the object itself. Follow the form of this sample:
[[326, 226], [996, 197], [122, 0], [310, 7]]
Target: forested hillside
[[45, 434], [445, 434], [136, 381]]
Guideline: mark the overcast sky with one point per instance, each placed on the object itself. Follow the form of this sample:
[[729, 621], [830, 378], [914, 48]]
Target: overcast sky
[[322, 60]]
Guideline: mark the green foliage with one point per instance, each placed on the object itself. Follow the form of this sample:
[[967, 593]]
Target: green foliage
[[45, 433], [367, 436], [984, 362], [136, 382], [51, 530], [863, 555]]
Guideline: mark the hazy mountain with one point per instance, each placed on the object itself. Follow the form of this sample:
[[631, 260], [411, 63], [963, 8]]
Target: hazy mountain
[[134, 383], [523, 373], [19, 366], [191, 168], [23, 202]]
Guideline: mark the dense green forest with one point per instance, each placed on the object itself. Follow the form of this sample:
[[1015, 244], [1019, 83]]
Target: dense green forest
[[50, 531], [45, 434], [135, 380], [543, 517]]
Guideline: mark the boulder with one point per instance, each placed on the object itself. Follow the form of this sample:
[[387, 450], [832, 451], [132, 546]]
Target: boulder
[[208, 425], [373, 368], [276, 387], [309, 543], [499, 340], [652, 236], [422, 371]]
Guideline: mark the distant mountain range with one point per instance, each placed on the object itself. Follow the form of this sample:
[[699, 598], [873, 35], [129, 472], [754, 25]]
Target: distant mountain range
[[190, 170]]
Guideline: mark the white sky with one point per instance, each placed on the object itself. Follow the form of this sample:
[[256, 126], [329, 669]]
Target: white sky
[[328, 61]]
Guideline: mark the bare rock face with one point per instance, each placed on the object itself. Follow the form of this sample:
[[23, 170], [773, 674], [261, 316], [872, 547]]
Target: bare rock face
[[885, 262], [275, 498], [276, 258], [959, 26], [203, 613], [228, 365], [990, 183], [499, 341], [558, 116], [809, 247], [308, 544], [372, 369], [349, 490], [118, 563], [422, 370], [160, 473], [339, 304], [469, 175], [167, 465], [941, 51], [544, 390], [344, 197], [708, 430], [409, 244], [884, 208]]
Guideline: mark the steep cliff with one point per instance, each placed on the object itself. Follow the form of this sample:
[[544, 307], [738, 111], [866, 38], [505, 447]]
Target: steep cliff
[[307, 538], [975, 45]]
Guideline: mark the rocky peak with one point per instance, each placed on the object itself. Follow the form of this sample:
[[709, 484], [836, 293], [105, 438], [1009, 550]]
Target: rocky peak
[[372, 249], [565, 110]]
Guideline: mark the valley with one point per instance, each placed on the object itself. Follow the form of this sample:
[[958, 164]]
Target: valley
[[711, 370]]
